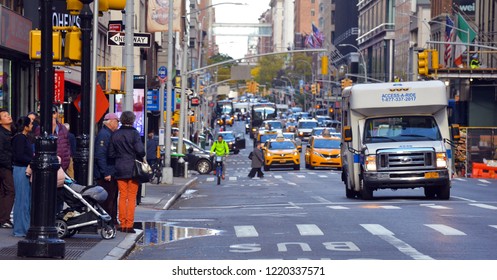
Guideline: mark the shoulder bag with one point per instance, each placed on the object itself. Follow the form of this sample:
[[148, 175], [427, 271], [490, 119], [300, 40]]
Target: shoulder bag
[[142, 172]]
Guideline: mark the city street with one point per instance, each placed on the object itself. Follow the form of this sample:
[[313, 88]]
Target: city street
[[304, 214]]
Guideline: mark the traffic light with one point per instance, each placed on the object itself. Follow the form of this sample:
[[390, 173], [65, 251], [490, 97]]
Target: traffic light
[[313, 88], [105, 5], [35, 44], [324, 65], [75, 6], [72, 47], [434, 59], [201, 90], [346, 83], [102, 79], [117, 80], [423, 63]]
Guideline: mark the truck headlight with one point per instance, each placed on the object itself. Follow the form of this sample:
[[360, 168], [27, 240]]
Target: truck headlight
[[441, 160], [370, 163]]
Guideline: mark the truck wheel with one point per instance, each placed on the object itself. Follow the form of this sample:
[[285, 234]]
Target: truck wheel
[[366, 192], [443, 193], [430, 192]]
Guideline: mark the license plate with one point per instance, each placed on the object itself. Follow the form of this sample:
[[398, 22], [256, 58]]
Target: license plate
[[282, 161], [431, 175]]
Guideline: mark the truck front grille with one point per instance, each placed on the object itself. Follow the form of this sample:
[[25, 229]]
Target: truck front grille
[[406, 160]]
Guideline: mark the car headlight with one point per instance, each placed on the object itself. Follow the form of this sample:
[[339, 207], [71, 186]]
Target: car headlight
[[370, 163], [441, 160], [316, 153], [269, 154], [296, 153], [301, 133]]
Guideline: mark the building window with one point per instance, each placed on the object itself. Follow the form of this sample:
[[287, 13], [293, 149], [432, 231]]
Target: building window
[[313, 13]]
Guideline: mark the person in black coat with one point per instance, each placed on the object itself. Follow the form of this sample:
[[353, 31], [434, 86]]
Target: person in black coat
[[257, 161], [126, 146], [7, 192], [104, 165]]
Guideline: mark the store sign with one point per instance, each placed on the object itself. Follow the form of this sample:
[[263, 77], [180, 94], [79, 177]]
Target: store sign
[[58, 87], [14, 31]]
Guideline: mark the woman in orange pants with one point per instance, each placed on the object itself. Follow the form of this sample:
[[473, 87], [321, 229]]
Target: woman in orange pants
[[126, 146]]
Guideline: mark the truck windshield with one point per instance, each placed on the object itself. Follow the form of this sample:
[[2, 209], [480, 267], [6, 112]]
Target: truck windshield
[[405, 128]]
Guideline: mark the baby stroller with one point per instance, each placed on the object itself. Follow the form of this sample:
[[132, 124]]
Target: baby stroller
[[84, 213]]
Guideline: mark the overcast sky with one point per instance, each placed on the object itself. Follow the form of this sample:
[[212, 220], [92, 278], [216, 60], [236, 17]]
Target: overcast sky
[[236, 46]]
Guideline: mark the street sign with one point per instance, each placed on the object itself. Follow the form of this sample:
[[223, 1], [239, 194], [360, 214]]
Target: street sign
[[194, 101], [142, 40], [115, 25], [162, 73], [153, 100]]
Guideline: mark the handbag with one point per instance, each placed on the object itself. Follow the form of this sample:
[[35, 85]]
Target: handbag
[[142, 172], [251, 155]]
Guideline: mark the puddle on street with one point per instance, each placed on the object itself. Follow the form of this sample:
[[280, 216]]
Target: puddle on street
[[161, 233]]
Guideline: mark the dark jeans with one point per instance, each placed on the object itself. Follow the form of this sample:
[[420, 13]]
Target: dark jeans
[[7, 194], [254, 170], [110, 204]]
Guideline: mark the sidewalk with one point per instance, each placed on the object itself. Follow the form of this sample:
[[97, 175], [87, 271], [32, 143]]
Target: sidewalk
[[92, 246]]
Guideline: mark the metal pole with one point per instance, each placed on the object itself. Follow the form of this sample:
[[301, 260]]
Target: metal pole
[[182, 111], [167, 171], [93, 92], [128, 55], [83, 140], [362, 58], [41, 240]]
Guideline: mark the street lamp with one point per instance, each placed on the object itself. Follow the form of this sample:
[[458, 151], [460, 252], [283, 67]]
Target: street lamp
[[362, 58]]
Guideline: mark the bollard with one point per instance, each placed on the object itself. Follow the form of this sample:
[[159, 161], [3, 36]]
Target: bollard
[[186, 169]]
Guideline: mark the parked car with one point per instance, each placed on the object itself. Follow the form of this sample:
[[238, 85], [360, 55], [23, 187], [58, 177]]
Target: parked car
[[235, 142], [198, 159]]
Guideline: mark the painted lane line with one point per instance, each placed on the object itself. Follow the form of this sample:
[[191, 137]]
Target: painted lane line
[[293, 206], [462, 198], [321, 199], [233, 178], [445, 230], [494, 226], [309, 230], [389, 207], [484, 181], [389, 237], [323, 176], [278, 176], [301, 176], [338, 207], [485, 206], [460, 179], [246, 231], [210, 179], [433, 206]]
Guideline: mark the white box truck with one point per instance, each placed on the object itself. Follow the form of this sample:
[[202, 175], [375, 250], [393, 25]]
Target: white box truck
[[396, 136]]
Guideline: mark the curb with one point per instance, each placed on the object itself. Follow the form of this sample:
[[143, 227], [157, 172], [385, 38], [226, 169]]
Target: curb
[[124, 248], [173, 199]]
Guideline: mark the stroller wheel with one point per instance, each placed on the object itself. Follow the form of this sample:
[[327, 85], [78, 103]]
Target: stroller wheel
[[61, 227], [108, 232]]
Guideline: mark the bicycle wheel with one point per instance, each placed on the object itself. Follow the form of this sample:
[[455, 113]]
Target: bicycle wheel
[[219, 172]]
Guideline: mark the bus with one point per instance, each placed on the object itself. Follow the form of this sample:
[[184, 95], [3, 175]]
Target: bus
[[224, 107], [259, 113]]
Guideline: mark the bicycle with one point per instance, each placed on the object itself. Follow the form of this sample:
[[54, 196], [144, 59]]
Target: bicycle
[[219, 168], [157, 170]]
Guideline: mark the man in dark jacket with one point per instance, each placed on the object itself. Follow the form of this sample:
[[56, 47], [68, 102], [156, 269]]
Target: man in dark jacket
[[104, 165], [7, 192], [257, 161]]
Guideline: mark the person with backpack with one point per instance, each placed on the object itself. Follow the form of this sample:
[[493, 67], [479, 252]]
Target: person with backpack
[[221, 148], [257, 161]]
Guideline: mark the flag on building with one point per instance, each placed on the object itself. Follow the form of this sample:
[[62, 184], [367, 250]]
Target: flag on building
[[449, 33], [465, 35], [315, 39]]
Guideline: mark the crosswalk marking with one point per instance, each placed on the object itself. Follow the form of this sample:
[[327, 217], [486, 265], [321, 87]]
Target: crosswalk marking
[[484, 181], [434, 206], [210, 179], [309, 230], [323, 176], [486, 206], [301, 176], [246, 231], [376, 229], [338, 207], [494, 226], [389, 207], [278, 176], [445, 230]]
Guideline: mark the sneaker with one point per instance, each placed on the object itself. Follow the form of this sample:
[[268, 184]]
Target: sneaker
[[7, 224]]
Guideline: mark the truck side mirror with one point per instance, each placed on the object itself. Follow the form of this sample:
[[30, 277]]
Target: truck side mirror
[[347, 134], [455, 132]]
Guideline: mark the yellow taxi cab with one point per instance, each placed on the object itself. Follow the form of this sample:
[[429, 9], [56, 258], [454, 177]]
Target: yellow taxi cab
[[226, 118], [281, 152], [323, 151], [265, 136]]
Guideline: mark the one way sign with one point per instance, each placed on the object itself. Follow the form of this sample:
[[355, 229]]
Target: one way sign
[[142, 40]]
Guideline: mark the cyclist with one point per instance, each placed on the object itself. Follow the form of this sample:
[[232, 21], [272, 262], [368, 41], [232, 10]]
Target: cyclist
[[220, 148]]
